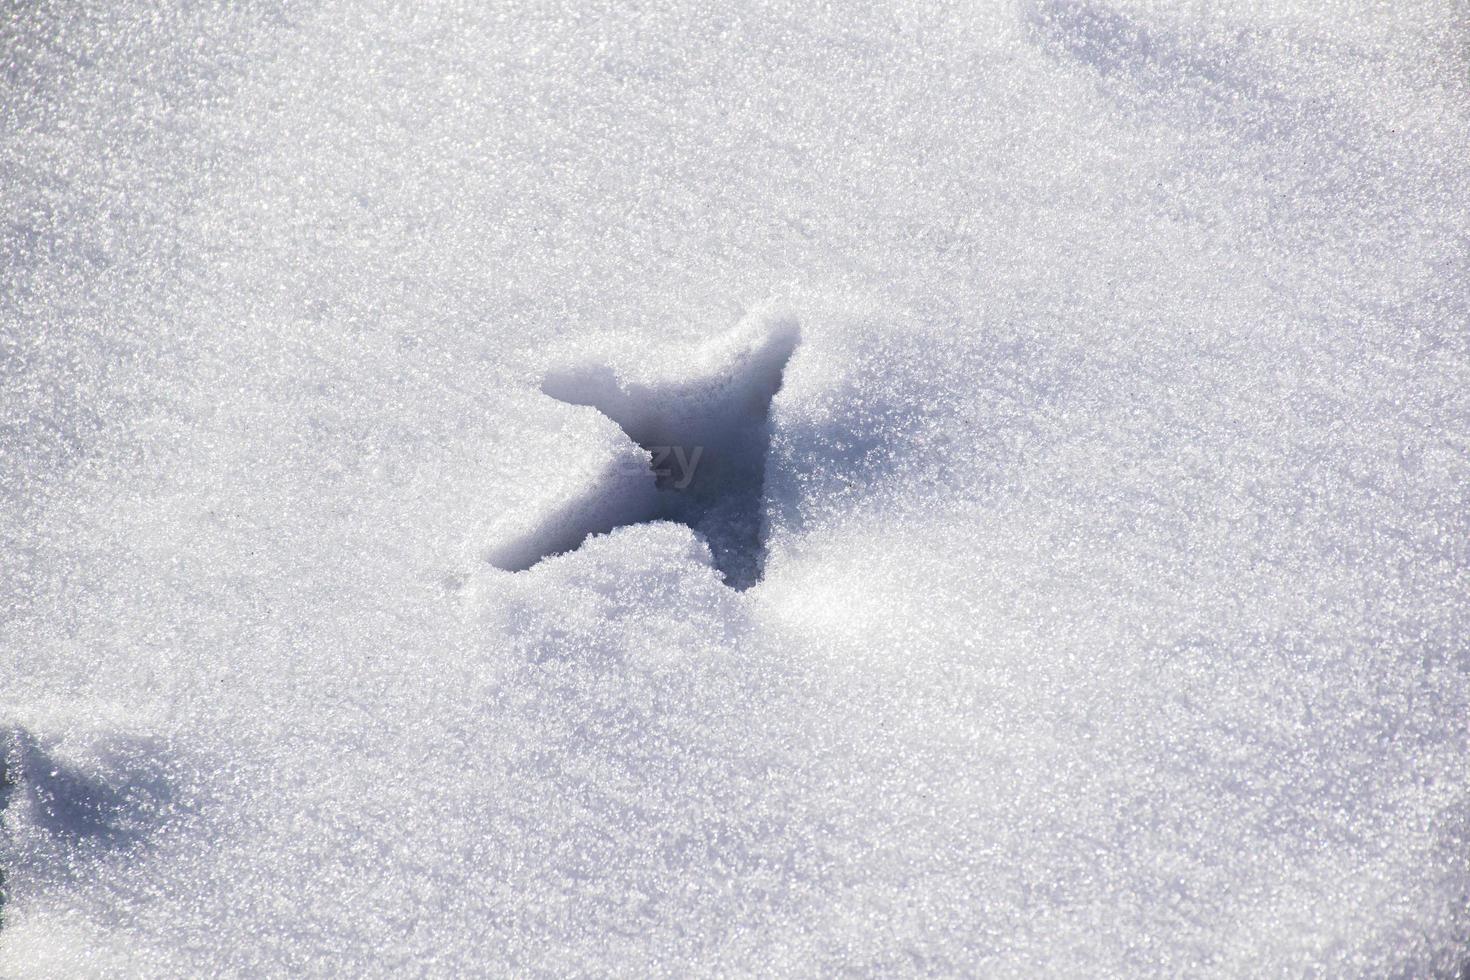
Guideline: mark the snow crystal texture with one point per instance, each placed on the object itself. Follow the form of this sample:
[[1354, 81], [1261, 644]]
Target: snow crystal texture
[[1111, 615]]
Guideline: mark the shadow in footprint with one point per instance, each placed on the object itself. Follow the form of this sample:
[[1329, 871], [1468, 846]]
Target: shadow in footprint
[[7, 786], [706, 437], [109, 796]]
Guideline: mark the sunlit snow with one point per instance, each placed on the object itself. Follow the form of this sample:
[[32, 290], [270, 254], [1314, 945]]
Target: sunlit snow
[[1074, 579]]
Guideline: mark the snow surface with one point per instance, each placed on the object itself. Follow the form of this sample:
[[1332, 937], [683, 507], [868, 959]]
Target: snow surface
[[1117, 503]]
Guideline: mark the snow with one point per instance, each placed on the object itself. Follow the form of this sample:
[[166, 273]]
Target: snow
[[1106, 370], [706, 431]]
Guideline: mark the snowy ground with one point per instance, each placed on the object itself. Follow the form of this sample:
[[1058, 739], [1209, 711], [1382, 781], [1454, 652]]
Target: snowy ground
[[1115, 616]]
